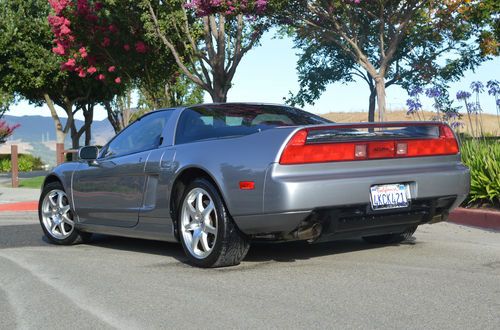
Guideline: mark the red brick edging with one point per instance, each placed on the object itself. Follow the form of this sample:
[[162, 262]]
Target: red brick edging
[[482, 218], [20, 206]]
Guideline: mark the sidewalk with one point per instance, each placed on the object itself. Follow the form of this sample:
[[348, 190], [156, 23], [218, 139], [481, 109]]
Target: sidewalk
[[13, 195], [19, 199]]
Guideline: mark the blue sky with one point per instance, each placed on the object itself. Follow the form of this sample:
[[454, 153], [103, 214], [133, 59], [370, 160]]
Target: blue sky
[[267, 73]]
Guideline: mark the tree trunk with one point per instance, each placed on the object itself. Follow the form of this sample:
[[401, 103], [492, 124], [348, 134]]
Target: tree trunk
[[217, 98], [112, 117], [60, 132], [371, 106], [75, 137], [89, 118], [60, 136], [219, 92], [380, 87]]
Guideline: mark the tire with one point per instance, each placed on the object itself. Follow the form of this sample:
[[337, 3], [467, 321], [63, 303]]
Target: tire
[[57, 218], [207, 232], [391, 238]]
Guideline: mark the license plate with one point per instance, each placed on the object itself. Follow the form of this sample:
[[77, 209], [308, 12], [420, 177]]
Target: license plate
[[390, 196]]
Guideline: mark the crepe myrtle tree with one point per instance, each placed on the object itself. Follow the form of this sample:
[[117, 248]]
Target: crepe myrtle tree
[[87, 42], [213, 35], [29, 69], [105, 41], [385, 38]]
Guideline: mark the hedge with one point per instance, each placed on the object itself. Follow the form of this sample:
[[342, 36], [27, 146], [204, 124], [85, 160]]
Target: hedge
[[26, 163]]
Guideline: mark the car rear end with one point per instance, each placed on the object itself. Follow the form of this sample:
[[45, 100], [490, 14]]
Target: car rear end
[[339, 181]]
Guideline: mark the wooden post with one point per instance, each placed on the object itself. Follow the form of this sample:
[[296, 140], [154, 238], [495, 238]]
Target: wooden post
[[59, 153], [14, 166]]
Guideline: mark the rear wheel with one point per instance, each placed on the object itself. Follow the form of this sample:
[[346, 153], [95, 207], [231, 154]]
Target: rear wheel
[[207, 233], [392, 238], [57, 217]]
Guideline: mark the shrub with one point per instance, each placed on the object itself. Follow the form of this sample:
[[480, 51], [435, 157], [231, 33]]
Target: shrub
[[483, 159], [26, 163]]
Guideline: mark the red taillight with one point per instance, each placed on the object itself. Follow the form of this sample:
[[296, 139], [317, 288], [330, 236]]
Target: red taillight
[[446, 144], [297, 151]]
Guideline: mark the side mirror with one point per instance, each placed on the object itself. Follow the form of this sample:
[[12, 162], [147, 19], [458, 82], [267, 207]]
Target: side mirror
[[88, 153]]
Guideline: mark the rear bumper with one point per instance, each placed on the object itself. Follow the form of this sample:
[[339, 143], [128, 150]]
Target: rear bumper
[[348, 221], [361, 220], [293, 194]]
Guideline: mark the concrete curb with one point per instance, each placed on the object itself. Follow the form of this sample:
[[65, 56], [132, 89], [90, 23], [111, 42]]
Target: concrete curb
[[480, 218], [486, 219]]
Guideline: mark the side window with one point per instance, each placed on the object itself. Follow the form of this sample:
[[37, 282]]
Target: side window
[[193, 126], [142, 135]]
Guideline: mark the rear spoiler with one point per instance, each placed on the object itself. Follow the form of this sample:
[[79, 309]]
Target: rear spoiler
[[366, 141]]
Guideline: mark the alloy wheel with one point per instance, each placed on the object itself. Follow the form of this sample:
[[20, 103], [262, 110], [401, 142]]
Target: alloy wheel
[[199, 223], [56, 215]]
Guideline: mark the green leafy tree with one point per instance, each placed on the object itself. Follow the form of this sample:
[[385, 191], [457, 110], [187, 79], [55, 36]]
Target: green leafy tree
[[208, 39], [382, 42], [5, 101], [485, 15]]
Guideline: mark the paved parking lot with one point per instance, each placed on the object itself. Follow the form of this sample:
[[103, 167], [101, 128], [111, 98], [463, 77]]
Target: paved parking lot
[[449, 277]]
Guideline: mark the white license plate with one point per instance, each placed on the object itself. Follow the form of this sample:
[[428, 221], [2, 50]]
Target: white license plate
[[390, 196]]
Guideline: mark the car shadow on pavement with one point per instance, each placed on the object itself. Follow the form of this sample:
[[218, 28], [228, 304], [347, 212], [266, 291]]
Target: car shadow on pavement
[[294, 251], [137, 245], [260, 252]]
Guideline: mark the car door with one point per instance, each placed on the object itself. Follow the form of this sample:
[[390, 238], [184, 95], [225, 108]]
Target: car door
[[109, 191]]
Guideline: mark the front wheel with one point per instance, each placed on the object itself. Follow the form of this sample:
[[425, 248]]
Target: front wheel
[[392, 238], [207, 233], [56, 216]]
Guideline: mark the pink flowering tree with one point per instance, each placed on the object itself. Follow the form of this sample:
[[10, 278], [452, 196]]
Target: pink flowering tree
[[6, 130], [90, 41], [214, 35], [105, 42]]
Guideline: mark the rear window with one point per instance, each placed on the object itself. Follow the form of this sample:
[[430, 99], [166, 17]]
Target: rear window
[[226, 120]]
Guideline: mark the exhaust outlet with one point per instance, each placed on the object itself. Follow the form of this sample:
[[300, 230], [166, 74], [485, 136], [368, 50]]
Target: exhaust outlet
[[309, 233]]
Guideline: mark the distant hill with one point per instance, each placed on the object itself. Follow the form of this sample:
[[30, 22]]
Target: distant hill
[[37, 135], [490, 122], [40, 128]]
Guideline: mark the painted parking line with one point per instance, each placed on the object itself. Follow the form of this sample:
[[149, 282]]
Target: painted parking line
[[19, 206]]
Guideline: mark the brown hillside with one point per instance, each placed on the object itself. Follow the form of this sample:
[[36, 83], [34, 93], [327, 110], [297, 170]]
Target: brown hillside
[[490, 122]]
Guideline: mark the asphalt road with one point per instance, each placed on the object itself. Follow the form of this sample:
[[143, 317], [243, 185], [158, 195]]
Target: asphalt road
[[447, 278]]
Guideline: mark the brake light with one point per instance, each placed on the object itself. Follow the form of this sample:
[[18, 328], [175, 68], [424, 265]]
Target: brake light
[[297, 151]]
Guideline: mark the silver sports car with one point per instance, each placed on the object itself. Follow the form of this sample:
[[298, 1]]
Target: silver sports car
[[217, 176]]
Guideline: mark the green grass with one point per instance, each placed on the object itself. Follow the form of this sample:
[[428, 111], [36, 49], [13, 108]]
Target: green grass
[[35, 182]]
